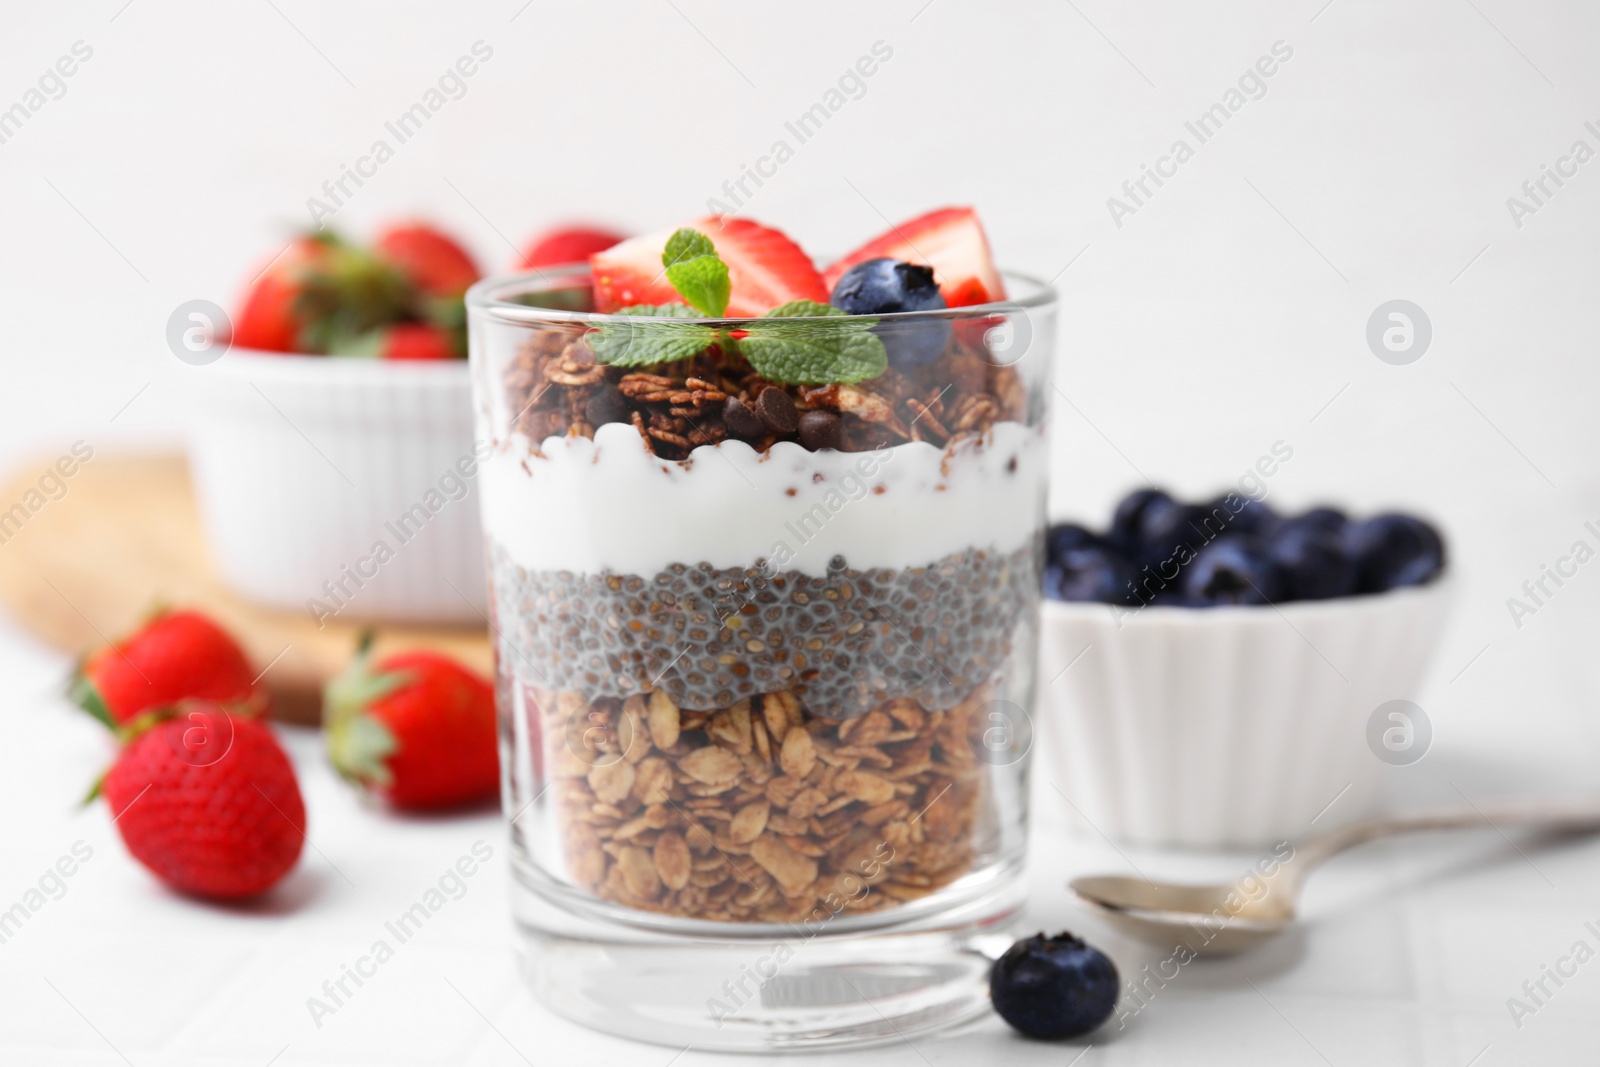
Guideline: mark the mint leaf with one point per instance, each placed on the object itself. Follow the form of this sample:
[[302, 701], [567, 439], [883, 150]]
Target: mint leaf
[[703, 281], [810, 309], [807, 352], [638, 344], [695, 270], [686, 244]]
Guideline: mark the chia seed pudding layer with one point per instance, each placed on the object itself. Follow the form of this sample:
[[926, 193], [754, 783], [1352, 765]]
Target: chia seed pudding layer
[[843, 642]]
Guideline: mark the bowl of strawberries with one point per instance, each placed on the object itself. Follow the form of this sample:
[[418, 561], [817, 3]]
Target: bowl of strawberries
[[332, 443]]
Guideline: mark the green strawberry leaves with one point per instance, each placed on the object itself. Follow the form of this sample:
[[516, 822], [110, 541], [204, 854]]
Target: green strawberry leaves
[[82, 692], [789, 344], [810, 348], [359, 745]]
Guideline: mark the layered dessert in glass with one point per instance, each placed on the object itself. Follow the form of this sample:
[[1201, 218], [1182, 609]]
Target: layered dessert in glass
[[764, 593]]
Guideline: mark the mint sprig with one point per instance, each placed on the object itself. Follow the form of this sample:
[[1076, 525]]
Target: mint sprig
[[697, 272], [639, 344], [806, 351], [788, 344]]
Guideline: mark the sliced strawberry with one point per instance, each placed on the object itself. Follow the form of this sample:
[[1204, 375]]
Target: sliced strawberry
[[569, 244], [433, 262], [631, 273], [951, 241], [765, 269]]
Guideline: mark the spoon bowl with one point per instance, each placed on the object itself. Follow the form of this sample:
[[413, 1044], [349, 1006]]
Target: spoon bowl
[[1207, 918], [1219, 920]]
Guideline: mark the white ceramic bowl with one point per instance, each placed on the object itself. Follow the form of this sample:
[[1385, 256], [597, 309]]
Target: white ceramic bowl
[[1226, 727], [341, 487]]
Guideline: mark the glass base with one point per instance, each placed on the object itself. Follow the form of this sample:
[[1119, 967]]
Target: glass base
[[863, 980]]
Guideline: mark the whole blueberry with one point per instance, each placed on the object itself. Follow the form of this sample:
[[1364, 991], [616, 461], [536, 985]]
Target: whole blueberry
[[1096, 573], [1233, 569], [1065, 536], [1394, 550], [887, 286], [1313, 560], [1130, 512], [1054, 987], [1329, 518], [1166, 526], [1244, 514]]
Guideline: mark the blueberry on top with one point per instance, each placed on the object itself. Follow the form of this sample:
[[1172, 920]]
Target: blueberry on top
[[1054, 987], [1394, 550], [882, 286], [887, 286], [1233, 569]]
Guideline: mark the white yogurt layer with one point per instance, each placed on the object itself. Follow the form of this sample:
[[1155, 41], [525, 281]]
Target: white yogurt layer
[[609, 505]]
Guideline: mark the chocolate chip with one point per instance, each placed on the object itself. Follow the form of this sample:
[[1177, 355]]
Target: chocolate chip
[[741, 421], [820, 429], [777, 410], [606, 406]]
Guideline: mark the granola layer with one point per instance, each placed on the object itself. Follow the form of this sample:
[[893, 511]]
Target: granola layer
[[759, 812]]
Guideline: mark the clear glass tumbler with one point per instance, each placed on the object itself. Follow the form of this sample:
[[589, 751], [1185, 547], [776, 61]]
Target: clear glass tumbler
[[765, 654]]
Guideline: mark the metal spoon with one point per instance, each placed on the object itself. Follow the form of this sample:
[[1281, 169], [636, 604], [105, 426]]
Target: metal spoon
[[1219, 920]]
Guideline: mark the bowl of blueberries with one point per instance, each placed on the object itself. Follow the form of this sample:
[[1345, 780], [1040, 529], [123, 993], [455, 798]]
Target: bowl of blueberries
[[1209, 671]]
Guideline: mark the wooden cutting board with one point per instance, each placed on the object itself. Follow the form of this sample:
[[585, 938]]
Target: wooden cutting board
[[87, 567]]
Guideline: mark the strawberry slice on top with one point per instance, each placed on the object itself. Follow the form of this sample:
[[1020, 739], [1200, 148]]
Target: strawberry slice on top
[[951, 241], [765, 269]]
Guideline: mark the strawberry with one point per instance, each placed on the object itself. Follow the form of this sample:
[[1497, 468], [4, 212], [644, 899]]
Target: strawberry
[[765, 269], [176, 654], [568, 244], [434, 263], [208, 802], [268, 317], [321, 291], [405, 340], [417, 729], [951, 241]]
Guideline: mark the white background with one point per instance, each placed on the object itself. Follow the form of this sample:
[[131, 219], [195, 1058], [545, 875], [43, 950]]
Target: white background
[[1228, 313]]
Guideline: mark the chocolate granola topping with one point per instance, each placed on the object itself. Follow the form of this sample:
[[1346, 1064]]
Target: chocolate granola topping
[[554, 382]]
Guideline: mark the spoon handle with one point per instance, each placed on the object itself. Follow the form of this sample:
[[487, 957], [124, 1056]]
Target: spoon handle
[[1546, 813]]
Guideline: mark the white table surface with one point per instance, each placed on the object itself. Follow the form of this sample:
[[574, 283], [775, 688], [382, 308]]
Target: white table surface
[[1408, 954], [1226, 314]]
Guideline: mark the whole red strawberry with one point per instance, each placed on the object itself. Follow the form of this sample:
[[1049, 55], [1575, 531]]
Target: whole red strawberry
[[568, 244], [272, 314], [435, 263], [405, 341], [208, 802], [176, 654], [417, 728]]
